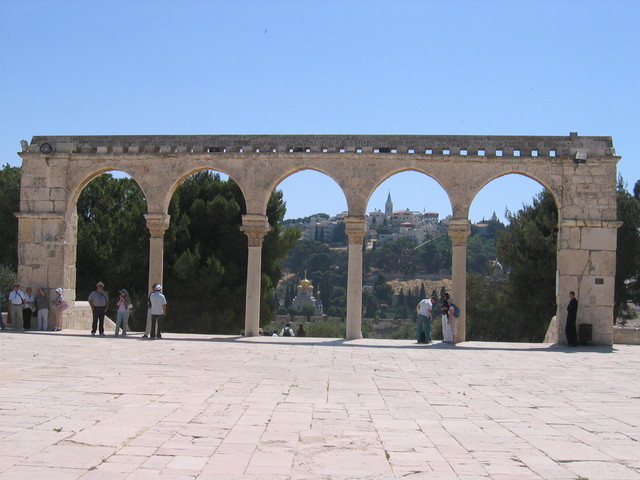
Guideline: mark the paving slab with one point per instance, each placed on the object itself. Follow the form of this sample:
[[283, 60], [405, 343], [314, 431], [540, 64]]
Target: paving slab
[[73, 406]]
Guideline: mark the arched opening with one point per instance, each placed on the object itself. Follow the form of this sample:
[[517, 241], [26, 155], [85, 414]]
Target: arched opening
[[112, 242], [312, 279], [511, 261], [407, 255], [205, 256]]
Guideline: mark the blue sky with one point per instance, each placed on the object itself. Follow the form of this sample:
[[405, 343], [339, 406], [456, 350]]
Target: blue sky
[[326, 67]]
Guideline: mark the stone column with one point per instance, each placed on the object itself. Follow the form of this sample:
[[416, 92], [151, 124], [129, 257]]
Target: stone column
[[255, 227], [157, 223], [355, 228], [459, 230], [47, 256], [587, 266]]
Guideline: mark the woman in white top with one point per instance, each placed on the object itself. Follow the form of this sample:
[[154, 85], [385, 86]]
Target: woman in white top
[[59, 305]]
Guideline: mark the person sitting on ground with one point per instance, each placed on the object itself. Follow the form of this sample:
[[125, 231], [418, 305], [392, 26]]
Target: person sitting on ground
[[301, 332], [287, 331]]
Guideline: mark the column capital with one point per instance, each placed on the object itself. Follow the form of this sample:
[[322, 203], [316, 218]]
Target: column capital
[[459, 230], [157, 223], [355, 228], [255, 227]]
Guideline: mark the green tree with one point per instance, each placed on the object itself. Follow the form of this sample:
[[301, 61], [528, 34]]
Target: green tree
[[206, 255], [7, 281], [113, 240], [528, 247], [339, 234], [628, 250], [9, 206]]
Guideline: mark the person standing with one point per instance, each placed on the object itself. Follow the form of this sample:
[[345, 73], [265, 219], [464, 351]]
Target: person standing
[[122, 316], [448, 320], [42, 308], [147, 328], [425, 315], [16, 304], [158, 311], [29, 308], [59, 306], [99, 301], [570, 328]]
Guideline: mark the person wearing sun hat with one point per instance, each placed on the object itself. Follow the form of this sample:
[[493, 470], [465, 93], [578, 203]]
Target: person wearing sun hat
[[158, 311], [59, 305], [124, 306], [99, 301]]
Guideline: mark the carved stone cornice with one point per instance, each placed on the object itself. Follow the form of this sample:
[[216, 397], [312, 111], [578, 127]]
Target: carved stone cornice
[[255, 227]]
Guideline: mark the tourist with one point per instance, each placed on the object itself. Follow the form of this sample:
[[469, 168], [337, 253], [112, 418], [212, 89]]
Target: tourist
[[147, 328], [99, 302], [158, 311], [59, 306], [122, 316], [301, 332], [425, 315], [42, 309], [448, 320], [570, 327], [29, 308], [16, 304], [287, 331]]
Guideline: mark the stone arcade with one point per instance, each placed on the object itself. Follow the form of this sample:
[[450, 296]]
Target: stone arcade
[[580, 173]]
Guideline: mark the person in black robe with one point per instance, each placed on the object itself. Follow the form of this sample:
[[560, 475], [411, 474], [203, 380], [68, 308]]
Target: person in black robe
[[570, 327]]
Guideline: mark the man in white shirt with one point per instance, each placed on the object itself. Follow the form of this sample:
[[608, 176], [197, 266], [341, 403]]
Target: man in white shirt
[[158, 311], [287, 331], [425, 315], [16, 304]]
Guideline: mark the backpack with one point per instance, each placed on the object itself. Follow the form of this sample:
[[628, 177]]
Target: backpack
[[456, 310], [287, 332]]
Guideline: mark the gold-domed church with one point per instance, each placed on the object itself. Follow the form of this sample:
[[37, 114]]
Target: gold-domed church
[[305, 296]]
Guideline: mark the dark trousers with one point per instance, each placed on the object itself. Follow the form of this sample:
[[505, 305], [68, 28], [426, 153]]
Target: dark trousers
[[26, 318], [571, 333], [98, 316], [154, 319]]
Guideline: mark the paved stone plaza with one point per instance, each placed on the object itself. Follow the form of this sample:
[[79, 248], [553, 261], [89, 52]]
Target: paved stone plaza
[[214, 407]]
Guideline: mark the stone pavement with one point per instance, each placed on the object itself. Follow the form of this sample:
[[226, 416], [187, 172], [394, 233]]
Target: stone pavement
[[74, 406]]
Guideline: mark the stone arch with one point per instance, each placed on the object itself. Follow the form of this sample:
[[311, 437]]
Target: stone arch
[[175, 182], [389, 174], [579, 171], [81, 181], [542, 180], [289, 172]]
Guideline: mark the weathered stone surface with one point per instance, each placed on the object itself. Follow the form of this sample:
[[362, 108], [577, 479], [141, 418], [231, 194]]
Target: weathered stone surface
[[584, 190], [222, 407]]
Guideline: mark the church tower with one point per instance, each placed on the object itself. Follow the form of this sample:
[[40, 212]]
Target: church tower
[[388, 206]]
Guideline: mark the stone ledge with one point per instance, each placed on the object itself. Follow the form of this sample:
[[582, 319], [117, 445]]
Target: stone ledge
[[626, 335]]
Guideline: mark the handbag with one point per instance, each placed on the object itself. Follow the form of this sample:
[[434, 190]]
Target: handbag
[[63, 306], [130, 306]]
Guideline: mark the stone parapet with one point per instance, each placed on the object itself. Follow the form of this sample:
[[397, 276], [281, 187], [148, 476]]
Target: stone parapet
[[465, 145], [626, 335]]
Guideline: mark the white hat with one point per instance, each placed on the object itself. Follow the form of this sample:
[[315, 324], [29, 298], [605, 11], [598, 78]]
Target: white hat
[[58, 290], [158, 288]]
